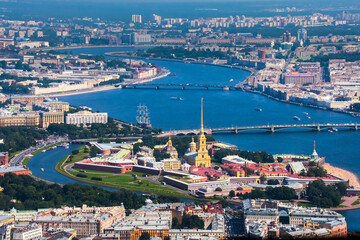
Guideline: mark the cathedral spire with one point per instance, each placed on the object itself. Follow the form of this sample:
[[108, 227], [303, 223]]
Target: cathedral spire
[[202, 117], [314, 154], [169, 142]]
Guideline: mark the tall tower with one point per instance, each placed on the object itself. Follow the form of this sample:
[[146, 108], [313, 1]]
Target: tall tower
[[202, 159], [314, 155]]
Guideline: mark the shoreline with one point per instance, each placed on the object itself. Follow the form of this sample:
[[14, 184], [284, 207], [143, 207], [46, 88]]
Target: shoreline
[[89, 46], [252, 90], [164, 73], [119, 54], [344, 174]]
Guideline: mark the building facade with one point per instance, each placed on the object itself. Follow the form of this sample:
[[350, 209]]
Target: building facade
[[46, 118], [86, 117]]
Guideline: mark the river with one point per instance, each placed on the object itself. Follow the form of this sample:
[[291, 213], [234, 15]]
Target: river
[[228, 108]]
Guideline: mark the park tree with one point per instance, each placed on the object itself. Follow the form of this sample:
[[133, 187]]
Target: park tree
[[175, 223], [145, 236], [192, 221], [273, 182], [262, 179], [93, 151]]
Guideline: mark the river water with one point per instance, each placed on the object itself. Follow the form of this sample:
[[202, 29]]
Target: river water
[[225, 109]]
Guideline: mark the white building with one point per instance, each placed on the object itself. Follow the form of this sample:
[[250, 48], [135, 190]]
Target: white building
[[86, 117], [136, 18], [31, 232]]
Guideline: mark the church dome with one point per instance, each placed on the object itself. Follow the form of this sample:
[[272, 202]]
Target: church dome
[[148, 201]]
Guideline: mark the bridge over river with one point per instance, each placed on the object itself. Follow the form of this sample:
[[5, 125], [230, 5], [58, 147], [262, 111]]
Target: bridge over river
[[265, 128], [175, 86]]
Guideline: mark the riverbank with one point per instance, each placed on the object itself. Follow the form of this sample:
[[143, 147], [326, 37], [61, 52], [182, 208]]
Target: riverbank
[[252, 90], [162, 74], [344, 174], [89, 46], [124, 55]]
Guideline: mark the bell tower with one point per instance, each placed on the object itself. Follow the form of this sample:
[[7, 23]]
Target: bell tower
[[202, 159]]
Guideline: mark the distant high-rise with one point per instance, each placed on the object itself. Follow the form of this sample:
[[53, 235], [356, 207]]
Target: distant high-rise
[[136, 18], [287, 37], [156, 19], [301, 35]]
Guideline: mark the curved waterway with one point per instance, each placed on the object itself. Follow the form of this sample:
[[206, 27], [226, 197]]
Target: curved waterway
[[228, 108], [48, 160]]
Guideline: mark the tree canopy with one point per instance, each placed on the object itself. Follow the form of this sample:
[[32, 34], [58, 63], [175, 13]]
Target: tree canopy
[[31, 194], [322, 195]]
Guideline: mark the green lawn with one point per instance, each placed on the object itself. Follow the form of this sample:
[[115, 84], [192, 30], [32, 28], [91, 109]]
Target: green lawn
[[80, 156], [308, 205], [304, 204], [121, 181], [139, 174], [14, 153], [357, 202], [26, 161]]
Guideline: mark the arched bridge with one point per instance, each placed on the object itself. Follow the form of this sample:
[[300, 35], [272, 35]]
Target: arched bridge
[[180, 86], [267, 128]]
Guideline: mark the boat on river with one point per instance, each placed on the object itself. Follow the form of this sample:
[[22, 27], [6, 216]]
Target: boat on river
[[297, 118], [176, 98], [42, 169], [258, 109]]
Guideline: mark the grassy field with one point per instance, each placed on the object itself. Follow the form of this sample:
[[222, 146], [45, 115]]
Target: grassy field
[[26, 161], [357, 202], [72, 158], [308, 205], [14, 153], [113, 180], [128, 182]]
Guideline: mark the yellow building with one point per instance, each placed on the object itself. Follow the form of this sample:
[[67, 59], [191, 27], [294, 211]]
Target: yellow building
[[46, 118], [171, 164], [6, 219], [20, 120], [310, 224], [201, 157]]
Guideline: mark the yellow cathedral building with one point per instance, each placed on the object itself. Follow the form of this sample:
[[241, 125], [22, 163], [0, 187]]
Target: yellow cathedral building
[[199, 158]]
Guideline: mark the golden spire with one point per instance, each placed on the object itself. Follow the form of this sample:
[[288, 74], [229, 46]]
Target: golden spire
[[169, 142], [202, 117]]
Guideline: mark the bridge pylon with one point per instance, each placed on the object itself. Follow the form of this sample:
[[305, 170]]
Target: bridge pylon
[[318, 128], [356, 126]]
